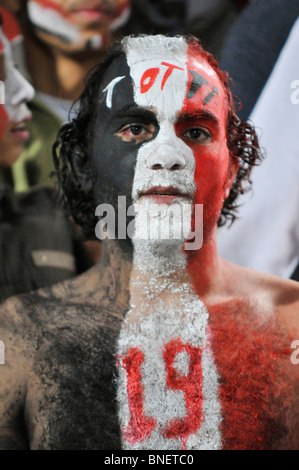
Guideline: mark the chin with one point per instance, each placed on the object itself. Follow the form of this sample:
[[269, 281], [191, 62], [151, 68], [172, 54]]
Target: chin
[[87, 42]]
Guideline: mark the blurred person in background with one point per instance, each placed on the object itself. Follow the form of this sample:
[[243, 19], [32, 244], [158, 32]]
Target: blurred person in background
[[37, 244], [261, 54]]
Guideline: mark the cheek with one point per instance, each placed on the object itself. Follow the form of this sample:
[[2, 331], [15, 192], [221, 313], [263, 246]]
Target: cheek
[[4, 121], [115, 167], [210, 174]]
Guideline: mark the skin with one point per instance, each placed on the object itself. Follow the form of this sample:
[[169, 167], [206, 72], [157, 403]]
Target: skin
[[63, 65], [58, 380], [91, 18], [12, 5], [14, 113]]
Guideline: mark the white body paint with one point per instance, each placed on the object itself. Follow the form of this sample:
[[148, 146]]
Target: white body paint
[[163, 307], [180, 315]]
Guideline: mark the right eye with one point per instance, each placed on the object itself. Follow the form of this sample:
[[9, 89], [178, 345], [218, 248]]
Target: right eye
[[136, 132]]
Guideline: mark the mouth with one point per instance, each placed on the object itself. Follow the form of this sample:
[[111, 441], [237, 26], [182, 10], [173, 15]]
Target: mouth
[[164, 195], [20, 131], [92, 13]]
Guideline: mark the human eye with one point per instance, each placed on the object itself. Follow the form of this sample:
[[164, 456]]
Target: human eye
[[197, 135], [136, 132]]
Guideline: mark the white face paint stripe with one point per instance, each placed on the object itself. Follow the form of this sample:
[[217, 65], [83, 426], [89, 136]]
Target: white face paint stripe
[[121, 19], [145, 54], [109, 89], [17, 90], [150, 333], [52, 21], [170, 313]]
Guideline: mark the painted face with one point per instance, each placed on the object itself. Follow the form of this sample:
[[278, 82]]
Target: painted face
[[77, 25], [160, 135], [14, 113]]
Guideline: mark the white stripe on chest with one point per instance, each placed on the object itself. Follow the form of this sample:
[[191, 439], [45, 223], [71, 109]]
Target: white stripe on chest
[[168, 382]]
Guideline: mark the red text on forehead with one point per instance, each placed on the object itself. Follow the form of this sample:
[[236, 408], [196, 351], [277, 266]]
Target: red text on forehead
[[149, 77]]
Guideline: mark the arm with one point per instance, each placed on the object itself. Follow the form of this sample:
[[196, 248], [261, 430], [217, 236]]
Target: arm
[[14, 366]]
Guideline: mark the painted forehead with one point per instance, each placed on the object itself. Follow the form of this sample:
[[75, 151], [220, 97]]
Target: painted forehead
[[167, 76]]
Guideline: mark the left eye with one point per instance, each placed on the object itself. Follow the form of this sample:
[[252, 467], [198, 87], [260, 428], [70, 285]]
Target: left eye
[[197, 134]]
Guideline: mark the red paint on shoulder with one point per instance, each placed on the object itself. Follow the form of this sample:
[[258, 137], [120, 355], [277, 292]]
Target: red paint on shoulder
[[255, 390]]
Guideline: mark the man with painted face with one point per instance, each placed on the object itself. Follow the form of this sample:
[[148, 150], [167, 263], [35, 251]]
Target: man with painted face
[[37, 246], [63, 40], [162, 345]]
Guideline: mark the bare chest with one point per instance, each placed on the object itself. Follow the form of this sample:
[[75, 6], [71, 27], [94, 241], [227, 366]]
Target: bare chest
[[197, 377]]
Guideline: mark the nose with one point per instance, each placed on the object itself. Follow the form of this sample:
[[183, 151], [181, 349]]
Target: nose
[[166, 157], [23, 91]]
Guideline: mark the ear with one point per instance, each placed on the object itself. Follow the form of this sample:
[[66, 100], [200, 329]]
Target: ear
[[232, 173]]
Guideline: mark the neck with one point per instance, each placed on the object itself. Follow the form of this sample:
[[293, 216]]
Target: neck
[[58, 74], [107, 282], [205, 268], [143, 273], [168, 268]]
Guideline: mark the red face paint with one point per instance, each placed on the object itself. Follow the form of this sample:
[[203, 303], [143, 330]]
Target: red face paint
[[49, 4], [4, 121], [14, 114], [10, 28], [88, 12], [205, 107]]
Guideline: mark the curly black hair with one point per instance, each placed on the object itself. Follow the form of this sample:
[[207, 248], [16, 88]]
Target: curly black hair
[[76, 176]]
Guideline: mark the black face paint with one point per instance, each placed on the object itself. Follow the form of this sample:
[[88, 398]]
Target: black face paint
[[114, 160]]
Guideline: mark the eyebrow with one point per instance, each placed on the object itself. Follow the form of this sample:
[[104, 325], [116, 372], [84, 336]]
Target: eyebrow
[[198, 115], [136, 113]]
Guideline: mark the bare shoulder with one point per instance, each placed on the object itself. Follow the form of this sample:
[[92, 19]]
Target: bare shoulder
[[34, 329], [15, 364], [277, 294]]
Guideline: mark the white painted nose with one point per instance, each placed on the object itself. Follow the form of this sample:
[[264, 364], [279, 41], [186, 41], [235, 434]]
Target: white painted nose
[[20, 89], [166, 157]]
